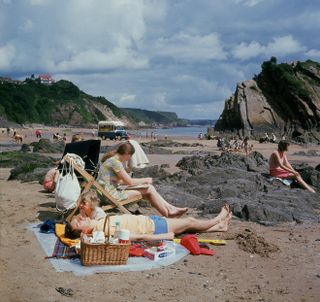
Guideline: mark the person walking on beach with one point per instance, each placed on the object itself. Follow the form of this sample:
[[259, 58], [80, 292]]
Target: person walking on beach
[[38, 133], [112, 173], [281, 168]]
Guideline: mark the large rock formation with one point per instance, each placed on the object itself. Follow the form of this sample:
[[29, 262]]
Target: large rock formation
[[283, 98]]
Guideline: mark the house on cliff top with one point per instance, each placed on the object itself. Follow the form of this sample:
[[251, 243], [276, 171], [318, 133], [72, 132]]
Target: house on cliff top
[[46, 79]]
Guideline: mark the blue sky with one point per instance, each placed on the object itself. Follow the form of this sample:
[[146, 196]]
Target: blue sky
[[183, 56]]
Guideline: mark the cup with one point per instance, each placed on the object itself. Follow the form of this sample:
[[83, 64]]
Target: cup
[[124, 236], [98, 237]]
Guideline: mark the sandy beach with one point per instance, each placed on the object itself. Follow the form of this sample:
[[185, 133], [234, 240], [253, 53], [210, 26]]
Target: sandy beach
[[290, 274]]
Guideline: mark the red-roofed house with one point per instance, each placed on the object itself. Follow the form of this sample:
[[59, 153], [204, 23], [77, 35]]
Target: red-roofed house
[[46, 79]]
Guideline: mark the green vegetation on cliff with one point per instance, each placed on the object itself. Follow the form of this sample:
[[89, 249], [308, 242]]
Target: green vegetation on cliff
[[287, 86], [59, 103], [159, 117]]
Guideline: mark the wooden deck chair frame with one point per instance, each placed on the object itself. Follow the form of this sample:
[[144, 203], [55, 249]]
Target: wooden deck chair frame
[[91, 182]]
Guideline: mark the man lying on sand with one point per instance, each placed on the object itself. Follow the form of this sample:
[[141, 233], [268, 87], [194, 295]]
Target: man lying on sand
[[143, 227]]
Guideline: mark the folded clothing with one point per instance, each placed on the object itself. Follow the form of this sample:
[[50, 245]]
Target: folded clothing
[[60, 230], [48, 226]]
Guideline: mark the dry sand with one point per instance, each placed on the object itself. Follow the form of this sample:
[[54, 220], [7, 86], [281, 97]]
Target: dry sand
[[233, 274]]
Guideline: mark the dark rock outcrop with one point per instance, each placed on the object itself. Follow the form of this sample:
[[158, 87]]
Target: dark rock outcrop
[[26, 166], [283, 98], [207, 182], [46, 146]]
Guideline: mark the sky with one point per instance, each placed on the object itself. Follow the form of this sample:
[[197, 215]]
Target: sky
[[181, 56]]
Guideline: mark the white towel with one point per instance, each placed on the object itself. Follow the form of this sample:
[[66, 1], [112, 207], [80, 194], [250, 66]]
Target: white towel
[[139, 159]]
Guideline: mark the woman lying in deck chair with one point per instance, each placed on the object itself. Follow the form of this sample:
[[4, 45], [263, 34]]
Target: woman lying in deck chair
[[142, 227], [112, 174]]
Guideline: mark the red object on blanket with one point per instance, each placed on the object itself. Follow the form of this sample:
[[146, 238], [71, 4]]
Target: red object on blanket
[[191, 243], [136, 251]]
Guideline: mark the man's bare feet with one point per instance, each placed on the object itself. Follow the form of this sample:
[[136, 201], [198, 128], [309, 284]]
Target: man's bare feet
[[222, 226], [225, 210], [177, 212]]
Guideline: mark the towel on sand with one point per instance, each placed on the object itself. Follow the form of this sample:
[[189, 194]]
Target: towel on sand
[[60, 229]]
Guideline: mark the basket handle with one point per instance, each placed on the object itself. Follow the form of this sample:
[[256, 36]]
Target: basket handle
[[104, 226]]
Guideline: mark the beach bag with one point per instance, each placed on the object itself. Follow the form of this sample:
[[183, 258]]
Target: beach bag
[[68, 188]]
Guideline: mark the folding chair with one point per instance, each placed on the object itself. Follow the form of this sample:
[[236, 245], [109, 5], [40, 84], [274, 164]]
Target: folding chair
[[91, 182]]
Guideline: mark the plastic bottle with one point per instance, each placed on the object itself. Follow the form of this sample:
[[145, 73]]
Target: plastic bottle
[[117, 231]]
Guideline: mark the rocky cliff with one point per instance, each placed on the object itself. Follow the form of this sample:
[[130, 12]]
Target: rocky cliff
[[283, 98]]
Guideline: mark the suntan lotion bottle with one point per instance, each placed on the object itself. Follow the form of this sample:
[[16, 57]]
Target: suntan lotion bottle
[[117, 232]]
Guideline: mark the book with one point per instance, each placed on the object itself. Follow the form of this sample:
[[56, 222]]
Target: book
[[133, 187]]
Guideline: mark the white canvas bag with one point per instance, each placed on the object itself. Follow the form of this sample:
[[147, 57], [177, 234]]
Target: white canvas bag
[[67, 189]]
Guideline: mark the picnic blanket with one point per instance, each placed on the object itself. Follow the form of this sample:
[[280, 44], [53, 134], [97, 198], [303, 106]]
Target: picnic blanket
[[49, 244]]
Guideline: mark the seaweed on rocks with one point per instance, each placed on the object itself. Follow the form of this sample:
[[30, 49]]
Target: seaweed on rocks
[[26, 166]]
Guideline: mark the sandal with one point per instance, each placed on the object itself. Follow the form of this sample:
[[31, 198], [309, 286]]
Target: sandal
[[68, 292]]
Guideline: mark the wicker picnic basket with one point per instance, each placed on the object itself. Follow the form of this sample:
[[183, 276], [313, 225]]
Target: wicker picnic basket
[[104, 253]]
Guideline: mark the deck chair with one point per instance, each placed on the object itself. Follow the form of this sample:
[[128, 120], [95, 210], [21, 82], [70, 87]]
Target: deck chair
[[91, 182], [88, 150]]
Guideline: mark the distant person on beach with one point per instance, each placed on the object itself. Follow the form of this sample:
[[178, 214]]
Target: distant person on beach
[[56, 136], [141, 227], [112, 173], [280, 167], [76, 138], [236, 145], [245, 145], [38, 133]]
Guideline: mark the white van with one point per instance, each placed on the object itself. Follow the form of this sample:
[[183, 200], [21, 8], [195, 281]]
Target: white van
[[112, 130]]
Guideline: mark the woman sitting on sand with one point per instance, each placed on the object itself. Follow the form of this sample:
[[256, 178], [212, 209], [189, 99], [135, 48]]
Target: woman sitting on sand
[[112, 173], [91, 218], [281, 168]]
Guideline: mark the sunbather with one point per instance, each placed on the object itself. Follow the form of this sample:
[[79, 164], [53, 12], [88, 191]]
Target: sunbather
[[50, 180], [112, 173], [150, 227], [281, 168]]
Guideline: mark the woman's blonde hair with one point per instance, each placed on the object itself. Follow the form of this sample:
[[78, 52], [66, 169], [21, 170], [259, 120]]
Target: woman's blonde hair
[[125, 148], [92, 196]]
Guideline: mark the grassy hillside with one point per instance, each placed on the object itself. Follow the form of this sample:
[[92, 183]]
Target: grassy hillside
[[59, 103], [159, 117]]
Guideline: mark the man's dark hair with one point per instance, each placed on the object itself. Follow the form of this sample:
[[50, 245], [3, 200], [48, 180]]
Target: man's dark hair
[[70, 232], [283, 145]]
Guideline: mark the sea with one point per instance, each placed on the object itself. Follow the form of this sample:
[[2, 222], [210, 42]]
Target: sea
[[188, 132]]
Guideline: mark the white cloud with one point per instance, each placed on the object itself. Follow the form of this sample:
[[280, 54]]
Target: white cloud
[[184, 47], [27, 26], [250, 3], [280, 46], [283, 46], [92, 59], [7, 53], [126, 100], [39, 2], [313, 53], [246, 51]]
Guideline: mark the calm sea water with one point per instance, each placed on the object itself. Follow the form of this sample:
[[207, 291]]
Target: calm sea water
[[178, 131]]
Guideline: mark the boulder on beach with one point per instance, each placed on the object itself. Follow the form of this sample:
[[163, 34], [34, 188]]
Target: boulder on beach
[[207, 182], [46, 146], [26, 166]]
